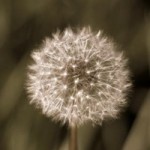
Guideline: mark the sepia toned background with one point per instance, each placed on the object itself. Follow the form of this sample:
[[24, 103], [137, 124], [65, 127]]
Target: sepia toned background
[[23, 26]]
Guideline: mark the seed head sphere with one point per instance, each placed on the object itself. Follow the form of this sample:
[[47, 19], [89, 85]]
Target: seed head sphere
[[77, 77]]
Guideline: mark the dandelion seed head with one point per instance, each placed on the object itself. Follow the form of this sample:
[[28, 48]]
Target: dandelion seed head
[[77, 77]]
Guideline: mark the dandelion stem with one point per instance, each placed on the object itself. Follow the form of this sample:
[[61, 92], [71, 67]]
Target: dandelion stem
[[73, 138]]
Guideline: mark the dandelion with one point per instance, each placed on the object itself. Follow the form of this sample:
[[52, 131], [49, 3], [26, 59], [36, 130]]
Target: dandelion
[[78, 77]]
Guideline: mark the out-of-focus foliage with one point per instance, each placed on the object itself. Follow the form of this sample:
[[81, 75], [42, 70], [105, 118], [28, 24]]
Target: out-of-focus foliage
[[24, 24], [139, 137]]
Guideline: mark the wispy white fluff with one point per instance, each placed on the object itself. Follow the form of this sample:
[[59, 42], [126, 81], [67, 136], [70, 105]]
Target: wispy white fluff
[[78, 77]]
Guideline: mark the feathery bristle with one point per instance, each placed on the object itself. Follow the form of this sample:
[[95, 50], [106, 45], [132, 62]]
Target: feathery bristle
[[78, 77]]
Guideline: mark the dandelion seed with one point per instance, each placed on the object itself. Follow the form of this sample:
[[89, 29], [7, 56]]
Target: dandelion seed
[[87, 97], [76, 81], [92, 84], [79, 93], [74, 66], [86, 60], [65, 74], [88, 71], [79, 76], [71, 97], [65, 87]]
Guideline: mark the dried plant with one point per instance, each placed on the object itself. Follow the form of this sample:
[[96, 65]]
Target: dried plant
[[78, 77]]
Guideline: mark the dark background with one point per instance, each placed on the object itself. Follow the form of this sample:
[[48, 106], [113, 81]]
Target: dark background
[[24, 24]]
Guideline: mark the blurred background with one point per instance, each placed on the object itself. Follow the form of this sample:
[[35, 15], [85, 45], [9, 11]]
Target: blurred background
[[24, 24]]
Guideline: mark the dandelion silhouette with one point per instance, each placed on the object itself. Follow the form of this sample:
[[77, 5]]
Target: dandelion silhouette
[[78, 77]]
